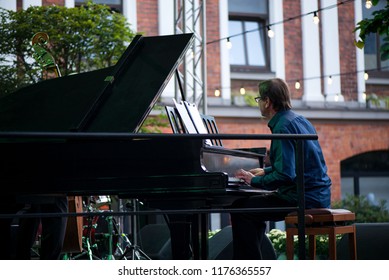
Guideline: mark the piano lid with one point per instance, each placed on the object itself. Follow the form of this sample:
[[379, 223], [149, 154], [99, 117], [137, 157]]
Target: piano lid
[[112, 99]]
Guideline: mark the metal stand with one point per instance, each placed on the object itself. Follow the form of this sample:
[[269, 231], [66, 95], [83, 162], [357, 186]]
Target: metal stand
[[110, 255], [132, 249], [86, 243]]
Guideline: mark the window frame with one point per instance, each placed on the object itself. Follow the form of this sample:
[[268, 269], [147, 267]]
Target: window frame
[[378, 72], [261, 19]]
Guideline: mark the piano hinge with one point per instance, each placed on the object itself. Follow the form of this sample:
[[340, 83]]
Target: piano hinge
[[109, 79]]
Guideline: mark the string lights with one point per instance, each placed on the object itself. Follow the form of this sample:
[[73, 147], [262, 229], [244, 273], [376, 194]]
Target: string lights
[[315, 18], [329, 80], [272, 33], [368, 4], [229, 44], [297, 82]]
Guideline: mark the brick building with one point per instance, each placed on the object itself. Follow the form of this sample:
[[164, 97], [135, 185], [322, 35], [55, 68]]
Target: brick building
[[354, 132]]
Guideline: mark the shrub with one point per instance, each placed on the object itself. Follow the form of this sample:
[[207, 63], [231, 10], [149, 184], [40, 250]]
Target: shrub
[[365, 211]]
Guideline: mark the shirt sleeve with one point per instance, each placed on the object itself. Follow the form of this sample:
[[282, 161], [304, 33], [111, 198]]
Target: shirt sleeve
[[282, 172]]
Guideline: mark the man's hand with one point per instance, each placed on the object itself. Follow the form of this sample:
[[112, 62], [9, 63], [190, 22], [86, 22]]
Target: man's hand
[[257, 171], [245, 175]]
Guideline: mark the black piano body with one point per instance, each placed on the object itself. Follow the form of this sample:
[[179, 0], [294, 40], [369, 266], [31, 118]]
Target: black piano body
[[116, 164], [74, 135]]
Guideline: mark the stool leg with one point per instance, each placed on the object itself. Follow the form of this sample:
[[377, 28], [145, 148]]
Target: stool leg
[[352, 244], [289, 245], [312, 246], [332, 244]]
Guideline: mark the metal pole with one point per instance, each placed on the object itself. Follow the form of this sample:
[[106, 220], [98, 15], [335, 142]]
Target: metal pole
[[301, 198]]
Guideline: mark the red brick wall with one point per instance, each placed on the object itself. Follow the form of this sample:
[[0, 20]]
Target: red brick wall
[[343, 139], [293, 47], [51, 2], [347, 51], [147, 14], [213, 49]]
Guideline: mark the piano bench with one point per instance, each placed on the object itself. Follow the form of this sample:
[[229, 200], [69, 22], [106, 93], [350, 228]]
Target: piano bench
[[322, 221]]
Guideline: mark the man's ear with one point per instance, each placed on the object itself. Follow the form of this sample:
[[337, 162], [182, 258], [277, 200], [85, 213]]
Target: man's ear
[[267, 103]]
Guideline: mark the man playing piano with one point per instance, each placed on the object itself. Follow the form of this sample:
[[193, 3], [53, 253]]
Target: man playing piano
[[249, 228]]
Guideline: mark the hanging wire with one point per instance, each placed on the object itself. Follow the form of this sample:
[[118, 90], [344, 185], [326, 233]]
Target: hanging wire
[[281, 22]]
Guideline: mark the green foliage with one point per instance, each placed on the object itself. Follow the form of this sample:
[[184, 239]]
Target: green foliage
[[249, 98], [378, 24], [246, 99], [365, 212], [211, 233], [377, 101], [153, 124], [81, 39], [278, 239]]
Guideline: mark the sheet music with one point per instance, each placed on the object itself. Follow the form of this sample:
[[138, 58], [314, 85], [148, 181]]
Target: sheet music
[[196, 118], [184, 114], [191, 118]]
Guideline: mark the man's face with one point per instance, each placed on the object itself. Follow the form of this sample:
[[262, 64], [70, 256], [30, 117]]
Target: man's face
[[262, 105]]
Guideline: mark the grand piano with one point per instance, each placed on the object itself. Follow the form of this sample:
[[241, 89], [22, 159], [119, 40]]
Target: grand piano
[[74, 134], [77, 135]]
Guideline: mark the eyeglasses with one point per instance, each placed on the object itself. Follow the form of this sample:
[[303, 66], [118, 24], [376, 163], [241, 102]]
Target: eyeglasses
[[258, 98]]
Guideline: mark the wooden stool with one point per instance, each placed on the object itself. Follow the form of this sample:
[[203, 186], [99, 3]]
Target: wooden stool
[[322, 221]]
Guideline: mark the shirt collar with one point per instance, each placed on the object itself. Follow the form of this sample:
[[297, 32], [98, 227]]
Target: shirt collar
[[274, 120]]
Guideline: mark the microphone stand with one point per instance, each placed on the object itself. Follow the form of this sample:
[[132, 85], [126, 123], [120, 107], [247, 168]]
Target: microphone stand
[[132, 248]]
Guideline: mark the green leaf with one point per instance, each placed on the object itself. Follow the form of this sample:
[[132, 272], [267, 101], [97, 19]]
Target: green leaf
[[359, 44], [385, 55]]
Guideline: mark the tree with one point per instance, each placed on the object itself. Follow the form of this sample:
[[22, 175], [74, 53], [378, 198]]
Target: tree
[[378, 24], [81, 39]]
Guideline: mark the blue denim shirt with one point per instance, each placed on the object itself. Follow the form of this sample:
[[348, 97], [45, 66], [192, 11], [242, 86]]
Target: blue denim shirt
[[281, 175]]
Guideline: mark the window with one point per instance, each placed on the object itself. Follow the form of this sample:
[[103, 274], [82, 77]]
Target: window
[[373, 43], [366, 174], [116, 5], [247, 28]]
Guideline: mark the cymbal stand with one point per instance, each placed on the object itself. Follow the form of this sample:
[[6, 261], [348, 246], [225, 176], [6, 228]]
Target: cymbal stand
[[132, 248], [110, 237]]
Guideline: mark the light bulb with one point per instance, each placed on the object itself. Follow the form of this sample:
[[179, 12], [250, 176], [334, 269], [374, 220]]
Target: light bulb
[[366, 76], [229, 44], [242, 90], [217, 92], [368, 4], [364, 96], [337, 97], [329, 81], [315, 18], [297, 85], [270, 32]]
